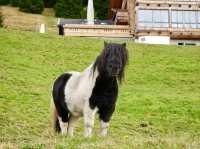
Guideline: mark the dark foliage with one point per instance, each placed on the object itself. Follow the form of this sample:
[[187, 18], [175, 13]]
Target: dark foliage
[[1, 19], [101, 9], [14, 2], [49, 3], [4, 2], [78, 8], [32, 6], [68, 8]]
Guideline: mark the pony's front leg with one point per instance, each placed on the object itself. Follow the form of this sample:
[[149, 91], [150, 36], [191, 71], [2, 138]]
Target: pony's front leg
[[104, 128], [89, 116]]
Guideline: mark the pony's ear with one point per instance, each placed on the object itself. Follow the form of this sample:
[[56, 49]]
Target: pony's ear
[[124, 45]]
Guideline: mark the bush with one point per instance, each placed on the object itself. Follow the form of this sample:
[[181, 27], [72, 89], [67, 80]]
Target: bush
[[49, 3], [101, 8], [1, 19], [84, 13], [4, 2], [14, 2], [78, 8], [68, 8], [32, 6]]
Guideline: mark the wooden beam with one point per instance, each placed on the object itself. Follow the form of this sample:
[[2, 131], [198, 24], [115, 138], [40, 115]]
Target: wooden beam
[[131, 11]]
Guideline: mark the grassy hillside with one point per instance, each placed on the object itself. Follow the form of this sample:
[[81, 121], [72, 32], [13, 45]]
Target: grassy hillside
[[158, 104], [15, 19]]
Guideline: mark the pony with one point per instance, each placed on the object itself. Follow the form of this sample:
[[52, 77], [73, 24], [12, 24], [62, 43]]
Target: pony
[[92, 91]]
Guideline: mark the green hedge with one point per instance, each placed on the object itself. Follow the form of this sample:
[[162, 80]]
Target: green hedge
[[31, 6]]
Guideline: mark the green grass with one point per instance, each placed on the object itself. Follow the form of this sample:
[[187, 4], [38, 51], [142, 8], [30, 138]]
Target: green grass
[[158, 104]]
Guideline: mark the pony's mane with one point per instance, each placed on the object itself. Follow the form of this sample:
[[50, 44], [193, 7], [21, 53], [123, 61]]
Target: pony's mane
[[120, 49]]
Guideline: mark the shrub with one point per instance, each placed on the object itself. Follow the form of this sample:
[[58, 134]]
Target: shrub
[[84, 13], [78, 8], [37, 6], [68, 8], [32, 6], [49, 3], [14, 2], [1, 19], [101, 8], [4, 2]]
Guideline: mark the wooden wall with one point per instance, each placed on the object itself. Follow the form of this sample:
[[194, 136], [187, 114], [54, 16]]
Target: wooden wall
[[114, 4]]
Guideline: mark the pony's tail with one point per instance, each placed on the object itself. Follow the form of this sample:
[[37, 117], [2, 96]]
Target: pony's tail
[[56, 125]]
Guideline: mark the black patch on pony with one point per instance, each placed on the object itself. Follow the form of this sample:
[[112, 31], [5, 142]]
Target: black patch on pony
[[111, 66], [59, 98]]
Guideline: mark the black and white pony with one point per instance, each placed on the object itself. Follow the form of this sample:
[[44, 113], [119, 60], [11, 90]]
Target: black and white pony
[[92, 91]]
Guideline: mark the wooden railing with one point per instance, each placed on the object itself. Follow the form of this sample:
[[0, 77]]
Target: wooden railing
[[97, 30]]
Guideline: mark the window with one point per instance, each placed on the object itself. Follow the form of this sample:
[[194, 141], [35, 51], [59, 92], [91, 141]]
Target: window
[[145, 18], [185, 19], [198, 19], [153, 18], [159, 19]]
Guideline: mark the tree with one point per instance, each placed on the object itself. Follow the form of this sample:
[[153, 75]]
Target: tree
[[68, 8], [14, 2], [31, 6], [78, 8], [4, 2], [49, 3], [101, 8], [1, 19]]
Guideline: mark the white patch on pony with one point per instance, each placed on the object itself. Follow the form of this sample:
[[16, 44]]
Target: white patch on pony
[[104, 128], [79, 89], [63, 125]]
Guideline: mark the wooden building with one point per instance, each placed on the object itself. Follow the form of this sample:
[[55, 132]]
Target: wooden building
[[176, 19], [179, 19]]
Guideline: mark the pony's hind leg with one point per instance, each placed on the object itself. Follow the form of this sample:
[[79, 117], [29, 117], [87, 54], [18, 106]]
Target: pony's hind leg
[[71, 125], [63, 125]]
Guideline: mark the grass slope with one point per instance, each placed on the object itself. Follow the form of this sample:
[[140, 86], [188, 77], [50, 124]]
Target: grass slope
[[158, 105], [15, 19]]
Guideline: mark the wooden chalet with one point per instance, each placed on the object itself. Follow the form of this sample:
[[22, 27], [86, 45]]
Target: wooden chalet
[[177, 19]]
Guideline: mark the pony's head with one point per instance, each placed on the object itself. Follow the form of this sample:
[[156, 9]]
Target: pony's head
[[112, 60]]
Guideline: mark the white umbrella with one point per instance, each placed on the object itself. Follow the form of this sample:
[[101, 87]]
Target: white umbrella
[[90, 12]]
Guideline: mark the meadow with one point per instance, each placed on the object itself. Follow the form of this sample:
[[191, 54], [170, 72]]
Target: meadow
[[158, 104]]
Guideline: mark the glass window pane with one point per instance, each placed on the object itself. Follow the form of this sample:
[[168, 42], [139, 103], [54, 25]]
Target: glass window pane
[[174, 25], [164, 16], [174, 17], [180, 16], [193, 25], [187, 16], [198, 16], [156, 15], [180, 25], [145, 15], [192, 16]]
